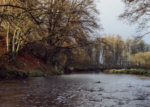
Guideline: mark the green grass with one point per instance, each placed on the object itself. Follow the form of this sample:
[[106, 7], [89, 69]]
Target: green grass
[[129, 71]]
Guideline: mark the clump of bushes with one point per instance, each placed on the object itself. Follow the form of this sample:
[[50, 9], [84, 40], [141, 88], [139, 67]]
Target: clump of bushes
[[56, 71], [11, 73], [15, 73], [59, 72], [35, 73]]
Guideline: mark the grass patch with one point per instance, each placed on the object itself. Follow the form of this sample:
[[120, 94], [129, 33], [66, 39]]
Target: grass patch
[[129, 71]]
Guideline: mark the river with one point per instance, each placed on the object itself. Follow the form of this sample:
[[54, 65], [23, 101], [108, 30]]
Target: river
[[77, 90]]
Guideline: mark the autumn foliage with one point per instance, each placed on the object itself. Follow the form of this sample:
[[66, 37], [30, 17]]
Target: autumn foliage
[[60, 34]]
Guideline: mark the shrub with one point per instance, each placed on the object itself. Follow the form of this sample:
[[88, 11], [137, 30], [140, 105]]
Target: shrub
[[35, 73], [11, 73]]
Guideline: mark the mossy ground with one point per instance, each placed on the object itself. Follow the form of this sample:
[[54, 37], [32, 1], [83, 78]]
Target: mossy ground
[[14, 73], [129, 71]]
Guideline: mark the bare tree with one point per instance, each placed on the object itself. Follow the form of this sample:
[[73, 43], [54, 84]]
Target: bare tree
[[19, 19], [138, 11], [69, 20], [65, 22]]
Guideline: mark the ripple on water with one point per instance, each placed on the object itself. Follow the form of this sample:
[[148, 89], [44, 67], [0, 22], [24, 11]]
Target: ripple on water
[[77, 90]]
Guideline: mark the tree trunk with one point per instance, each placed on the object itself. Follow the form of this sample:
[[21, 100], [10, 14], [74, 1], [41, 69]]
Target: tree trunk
[[7, 38]]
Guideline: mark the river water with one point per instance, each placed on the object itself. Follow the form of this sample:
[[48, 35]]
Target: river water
[[77, 90]]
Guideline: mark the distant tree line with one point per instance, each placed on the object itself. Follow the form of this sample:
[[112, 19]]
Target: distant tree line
[[114, 52]]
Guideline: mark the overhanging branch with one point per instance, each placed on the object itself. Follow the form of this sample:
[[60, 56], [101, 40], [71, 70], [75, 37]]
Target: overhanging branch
[[23, 8]]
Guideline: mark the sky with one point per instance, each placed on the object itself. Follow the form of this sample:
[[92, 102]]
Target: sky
[[109, 12]]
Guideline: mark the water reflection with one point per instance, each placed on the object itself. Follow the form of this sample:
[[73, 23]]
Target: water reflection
[[77, 90]]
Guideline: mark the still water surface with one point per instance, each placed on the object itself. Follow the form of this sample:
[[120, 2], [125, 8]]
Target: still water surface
[[77, 90]]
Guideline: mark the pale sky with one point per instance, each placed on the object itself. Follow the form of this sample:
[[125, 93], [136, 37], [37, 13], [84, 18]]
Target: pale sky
[[110, 10]]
